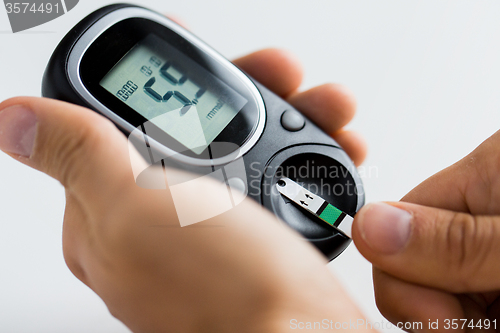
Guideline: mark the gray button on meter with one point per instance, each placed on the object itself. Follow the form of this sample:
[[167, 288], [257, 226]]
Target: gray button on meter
[[292, 120]]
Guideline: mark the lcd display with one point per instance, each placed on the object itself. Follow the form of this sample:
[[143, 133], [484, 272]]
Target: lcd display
[[173, 92]]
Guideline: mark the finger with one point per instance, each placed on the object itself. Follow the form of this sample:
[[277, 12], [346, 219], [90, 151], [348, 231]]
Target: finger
[[353, 144], [452, 251], [276, 69], [331, 106], [466, 186], [417, 308], [412, 307], [446, 189], [475, 311], [78, 147]]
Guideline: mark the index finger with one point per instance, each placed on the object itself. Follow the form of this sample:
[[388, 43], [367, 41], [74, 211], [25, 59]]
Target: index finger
[[470, 185], [276, 69]]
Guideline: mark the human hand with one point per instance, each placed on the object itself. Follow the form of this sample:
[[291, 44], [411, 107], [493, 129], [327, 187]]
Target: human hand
[[124, 242], [436, 254]]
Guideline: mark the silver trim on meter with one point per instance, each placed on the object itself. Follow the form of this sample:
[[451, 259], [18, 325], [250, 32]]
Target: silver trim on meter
[[81, 46]]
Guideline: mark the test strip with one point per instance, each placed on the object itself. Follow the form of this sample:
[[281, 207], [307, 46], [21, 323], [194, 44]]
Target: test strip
[[315, 205]]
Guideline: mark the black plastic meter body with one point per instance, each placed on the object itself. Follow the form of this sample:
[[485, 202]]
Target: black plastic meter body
[[136, 67]]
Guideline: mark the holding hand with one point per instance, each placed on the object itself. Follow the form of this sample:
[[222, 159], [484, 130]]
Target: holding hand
[[252, 275], [436, 254]]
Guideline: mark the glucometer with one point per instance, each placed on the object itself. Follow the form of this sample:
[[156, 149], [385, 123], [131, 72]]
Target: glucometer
[[183, 105]]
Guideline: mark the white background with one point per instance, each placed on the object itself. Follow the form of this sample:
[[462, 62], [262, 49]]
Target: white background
[[426, 74]]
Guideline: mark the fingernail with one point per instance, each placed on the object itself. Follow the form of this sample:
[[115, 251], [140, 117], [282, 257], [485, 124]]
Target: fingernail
[[17, 130], [385, 228]]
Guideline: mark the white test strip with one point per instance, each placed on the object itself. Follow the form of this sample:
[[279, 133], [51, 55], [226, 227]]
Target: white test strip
[[316, 205]]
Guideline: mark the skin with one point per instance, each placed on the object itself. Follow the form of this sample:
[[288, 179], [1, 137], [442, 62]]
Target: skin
[[449, 268], [241, 271]]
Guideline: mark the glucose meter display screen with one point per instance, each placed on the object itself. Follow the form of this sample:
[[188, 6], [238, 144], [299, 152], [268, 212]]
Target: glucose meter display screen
[[173, 92]]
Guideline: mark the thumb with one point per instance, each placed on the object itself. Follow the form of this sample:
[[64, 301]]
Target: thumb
[[74, 145], [443, 249]]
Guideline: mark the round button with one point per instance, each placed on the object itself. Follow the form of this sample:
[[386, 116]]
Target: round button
[[292, 120]]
